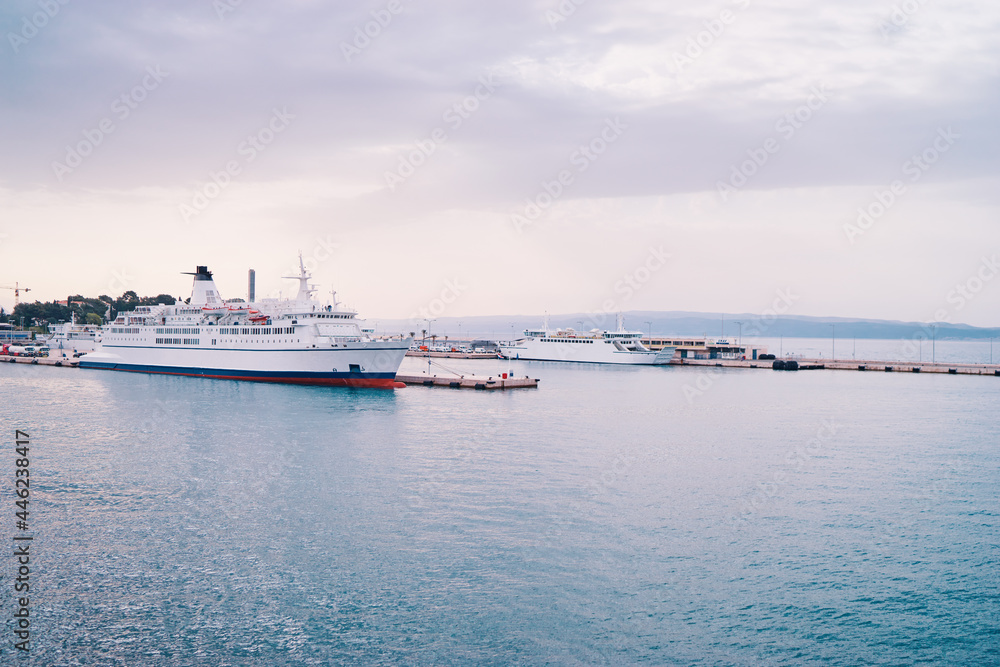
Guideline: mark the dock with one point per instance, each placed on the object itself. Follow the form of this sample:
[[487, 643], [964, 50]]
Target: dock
[[468, 381], [41, 361], [852, 365], [451, 355]]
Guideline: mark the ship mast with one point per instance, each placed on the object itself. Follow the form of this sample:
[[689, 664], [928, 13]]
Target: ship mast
[[305, 290]]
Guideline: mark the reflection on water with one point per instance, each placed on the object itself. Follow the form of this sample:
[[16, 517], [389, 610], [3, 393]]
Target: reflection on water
[[607, 517]]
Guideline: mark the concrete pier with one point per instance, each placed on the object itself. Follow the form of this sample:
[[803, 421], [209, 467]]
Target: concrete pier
[[468, 381], [855, 365], [451, 355], [41, 361]]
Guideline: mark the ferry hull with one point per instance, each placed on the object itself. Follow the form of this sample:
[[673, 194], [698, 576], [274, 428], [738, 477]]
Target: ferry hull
[[365, 380], [371, 364]]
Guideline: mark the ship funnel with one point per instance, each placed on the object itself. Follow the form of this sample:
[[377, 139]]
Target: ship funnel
[[204, 291]]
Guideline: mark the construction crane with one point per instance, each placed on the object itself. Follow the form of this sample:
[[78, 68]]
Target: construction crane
[[17, 292]]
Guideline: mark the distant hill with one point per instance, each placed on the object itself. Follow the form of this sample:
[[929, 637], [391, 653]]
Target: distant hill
[[684, 323]]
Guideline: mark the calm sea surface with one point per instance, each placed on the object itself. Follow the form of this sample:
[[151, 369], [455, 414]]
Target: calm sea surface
[[653, 516]]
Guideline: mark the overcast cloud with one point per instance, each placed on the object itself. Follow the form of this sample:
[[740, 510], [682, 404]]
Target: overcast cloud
[[643, 109]]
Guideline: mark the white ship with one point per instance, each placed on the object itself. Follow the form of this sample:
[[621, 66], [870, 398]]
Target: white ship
[[298, 341], [595, 347], [70, 337]]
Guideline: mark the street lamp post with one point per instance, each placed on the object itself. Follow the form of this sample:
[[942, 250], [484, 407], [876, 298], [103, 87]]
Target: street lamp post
[[833, 342], [933, 343], [650, 325], [739, 339], [428, 329]]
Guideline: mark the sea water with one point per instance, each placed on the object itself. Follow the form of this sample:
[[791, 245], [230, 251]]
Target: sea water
[[630, 515]]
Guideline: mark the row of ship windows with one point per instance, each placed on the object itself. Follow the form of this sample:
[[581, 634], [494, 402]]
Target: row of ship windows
[[181, 330], [196, 341], [565, 340], [666, 341], [125, 330], [256, 331]]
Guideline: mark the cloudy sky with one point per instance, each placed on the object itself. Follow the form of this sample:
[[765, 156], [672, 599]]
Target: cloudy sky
[[479, 158]]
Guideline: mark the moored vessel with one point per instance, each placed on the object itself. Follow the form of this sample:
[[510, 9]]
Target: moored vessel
[[595, 346], [71, 337], [299, 341]]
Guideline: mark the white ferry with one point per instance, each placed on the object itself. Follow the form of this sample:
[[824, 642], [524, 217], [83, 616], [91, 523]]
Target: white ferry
[[70, 337], [296, 341], [595, 347]]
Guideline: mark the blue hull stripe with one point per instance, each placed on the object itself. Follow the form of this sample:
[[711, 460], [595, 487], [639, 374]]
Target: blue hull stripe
[[240, 374]]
